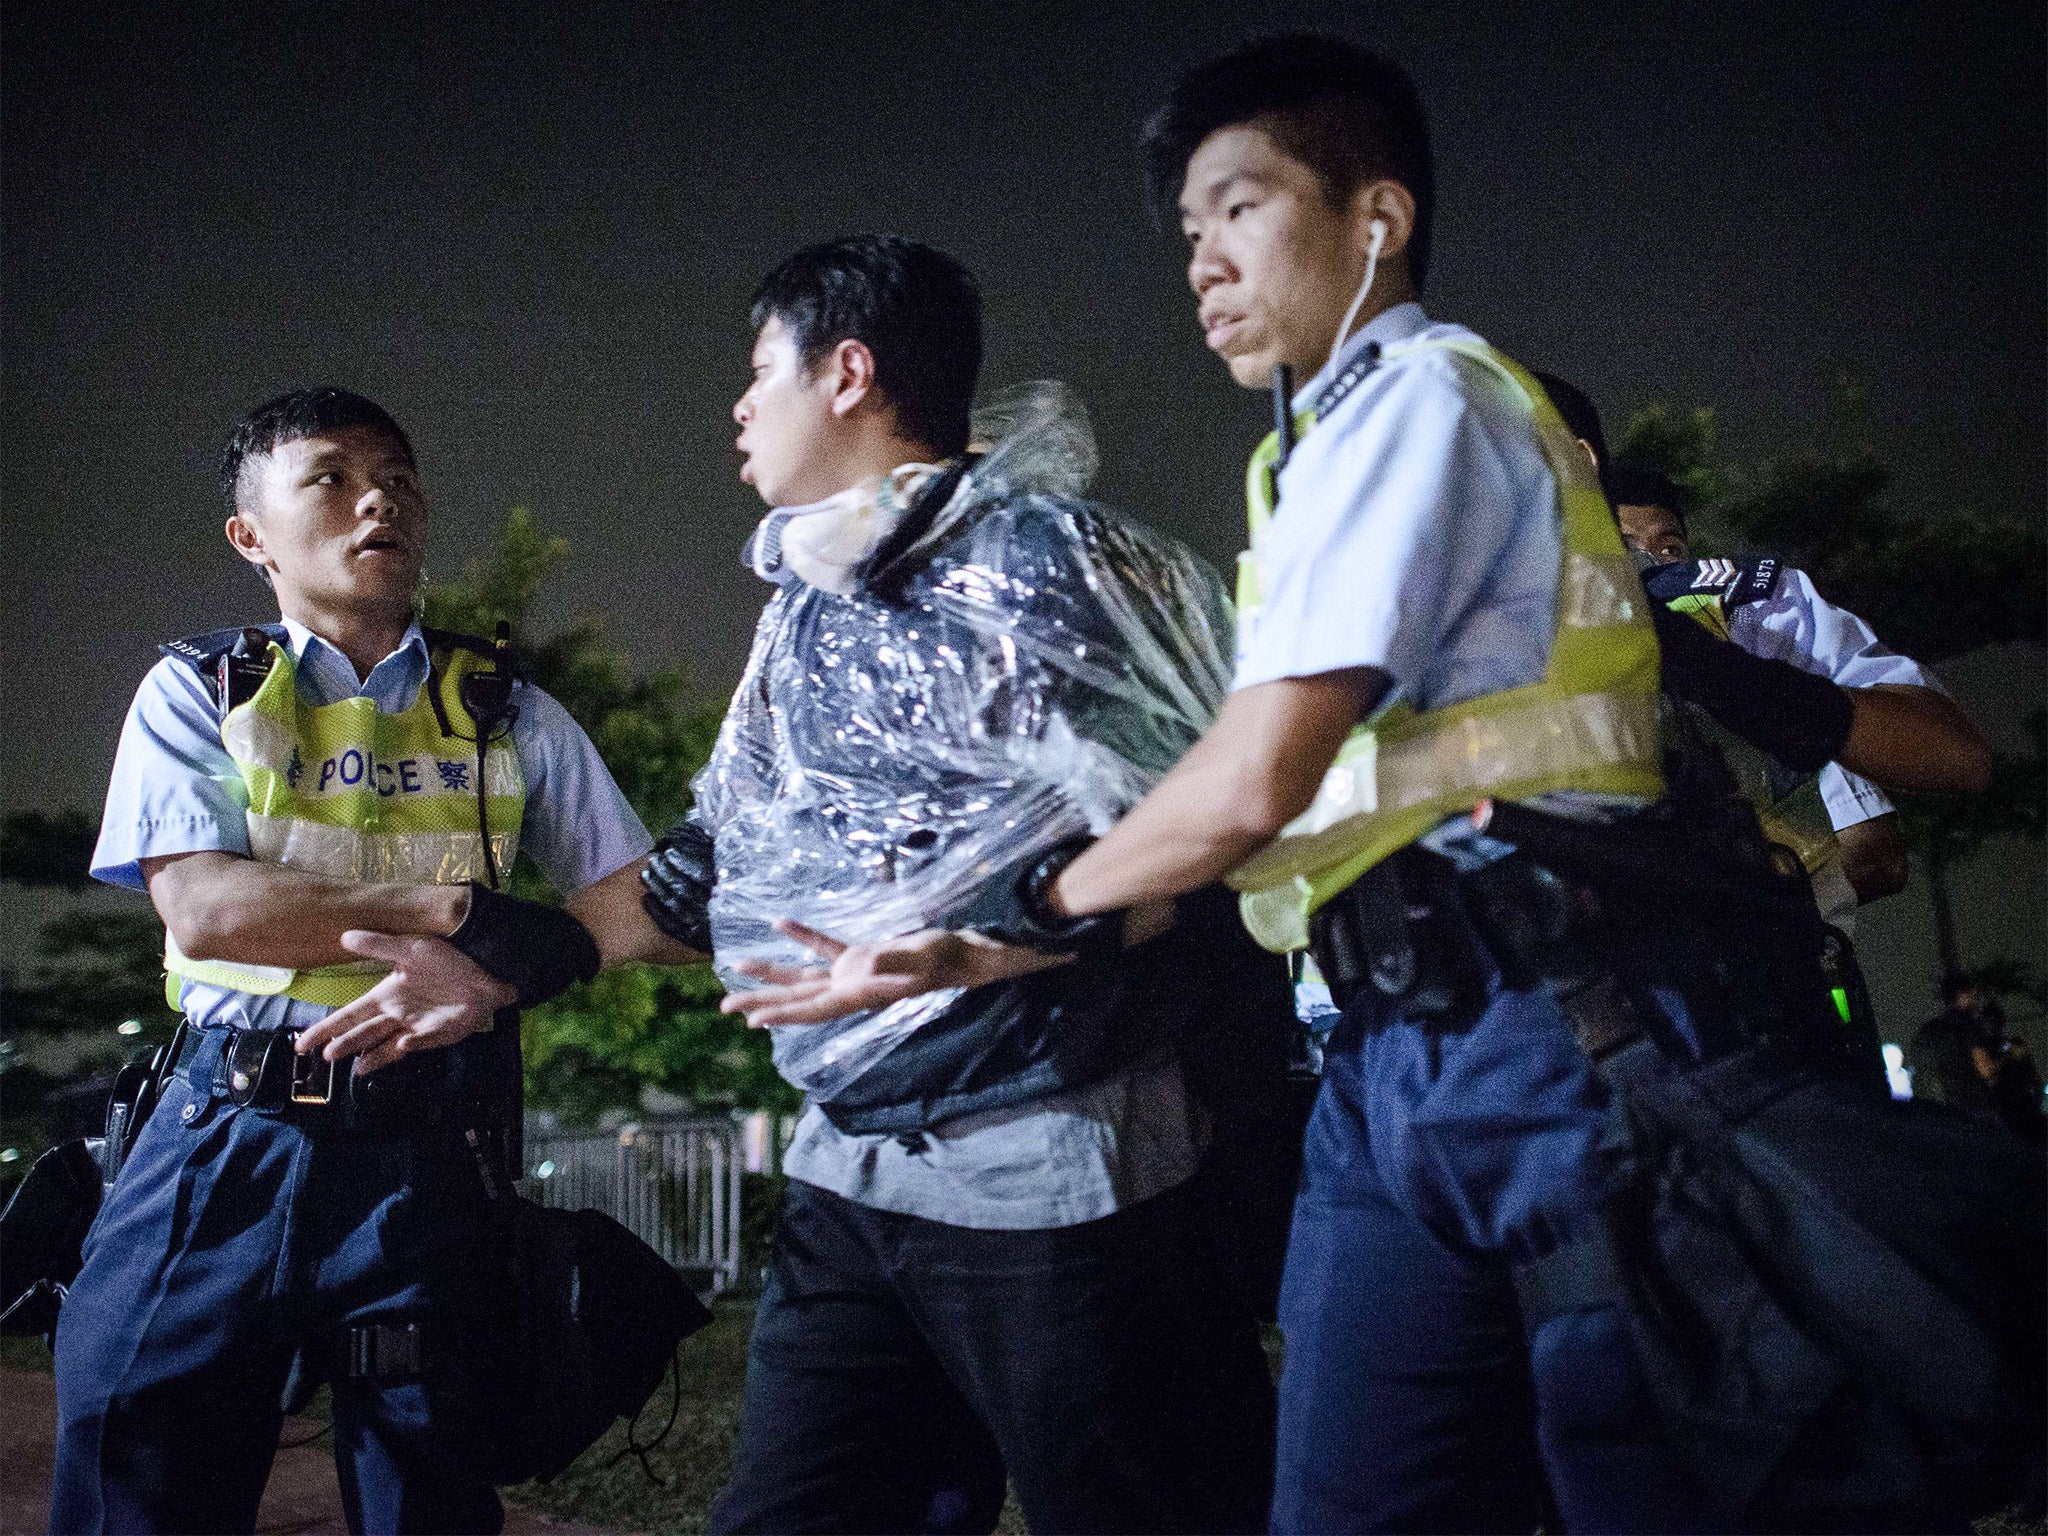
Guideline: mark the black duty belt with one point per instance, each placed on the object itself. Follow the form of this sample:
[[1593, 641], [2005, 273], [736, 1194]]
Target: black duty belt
[[259, 1069], [1426, 936], [1399, 931]]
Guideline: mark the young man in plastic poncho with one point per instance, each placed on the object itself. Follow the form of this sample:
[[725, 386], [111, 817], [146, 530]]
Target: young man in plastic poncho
[[993, 1252], [1440, 766]]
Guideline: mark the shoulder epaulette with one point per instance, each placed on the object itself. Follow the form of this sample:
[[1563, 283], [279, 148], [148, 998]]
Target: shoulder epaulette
[[1354, 374], [454, 640], [230, 669], [1734, 584], [202, 653], [1754, 582]]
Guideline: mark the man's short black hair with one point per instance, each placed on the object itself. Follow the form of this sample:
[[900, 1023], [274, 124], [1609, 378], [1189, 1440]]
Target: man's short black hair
[[300, 414], [1634, 484], [917, 309], [1580, 414], [1347, 113]]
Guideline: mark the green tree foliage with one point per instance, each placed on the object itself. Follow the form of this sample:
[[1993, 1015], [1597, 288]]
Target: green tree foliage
[[596, 1046], [94, 970], [1932, 585], [649, 729]]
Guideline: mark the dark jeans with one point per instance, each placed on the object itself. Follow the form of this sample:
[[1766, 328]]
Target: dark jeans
[[899, 1365], [1412, 1399], [230, 1237]]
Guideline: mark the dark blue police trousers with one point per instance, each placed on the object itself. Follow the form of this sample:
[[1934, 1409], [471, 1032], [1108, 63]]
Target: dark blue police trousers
[[230, 1237], [1411, 1399], [898, 1366]]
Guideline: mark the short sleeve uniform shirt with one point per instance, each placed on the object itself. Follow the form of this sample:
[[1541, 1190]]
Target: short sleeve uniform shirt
[[1796, 624], [1416, 533], [175, 790]]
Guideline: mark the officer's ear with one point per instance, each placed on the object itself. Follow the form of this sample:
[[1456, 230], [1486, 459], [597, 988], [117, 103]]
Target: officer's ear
[[247, 538], [849, 368], [1388, 203]]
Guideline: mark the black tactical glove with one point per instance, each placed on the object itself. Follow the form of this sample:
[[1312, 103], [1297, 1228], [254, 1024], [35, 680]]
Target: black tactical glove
[[1011, 907], [538, 951], [1797, 717], [679, 879]]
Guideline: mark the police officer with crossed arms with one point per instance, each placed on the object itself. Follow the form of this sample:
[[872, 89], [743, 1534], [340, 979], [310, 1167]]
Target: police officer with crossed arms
[[305, 802]]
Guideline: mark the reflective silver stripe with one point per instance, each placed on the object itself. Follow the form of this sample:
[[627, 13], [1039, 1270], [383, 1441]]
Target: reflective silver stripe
[[402, 858], [251, 736], [1598, 590], [1465, 755]]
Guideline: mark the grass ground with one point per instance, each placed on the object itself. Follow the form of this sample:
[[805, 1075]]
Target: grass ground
[[607, 1488]]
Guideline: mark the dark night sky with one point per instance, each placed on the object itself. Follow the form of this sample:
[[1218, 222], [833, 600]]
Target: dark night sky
[[532, 231]]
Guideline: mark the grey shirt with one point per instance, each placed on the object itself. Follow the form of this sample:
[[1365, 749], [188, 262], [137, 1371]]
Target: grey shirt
[[1055, 1162]]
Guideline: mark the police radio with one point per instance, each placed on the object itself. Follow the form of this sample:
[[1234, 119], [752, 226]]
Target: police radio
[[488, 698], [242, 669], [1283, 427]]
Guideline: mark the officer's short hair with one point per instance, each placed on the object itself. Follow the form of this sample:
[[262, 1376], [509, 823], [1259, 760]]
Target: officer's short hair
[[1581, 415], [301, 413], [1347, 113], [917, 309], [1634, 484]]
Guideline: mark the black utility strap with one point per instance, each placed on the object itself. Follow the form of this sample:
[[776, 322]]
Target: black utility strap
[[1576, 1277], [383, 1352]]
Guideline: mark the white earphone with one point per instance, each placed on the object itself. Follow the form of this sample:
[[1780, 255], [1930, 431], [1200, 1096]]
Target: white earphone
[[1376, 233]]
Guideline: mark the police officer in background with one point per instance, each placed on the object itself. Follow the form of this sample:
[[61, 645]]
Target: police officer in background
[[1445, 711], [1894, 725], [1774, 611], [305, 802]]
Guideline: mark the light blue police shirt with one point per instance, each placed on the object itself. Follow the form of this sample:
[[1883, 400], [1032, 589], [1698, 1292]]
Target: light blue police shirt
[[175, 789], [1796, 624], [1417, 531]]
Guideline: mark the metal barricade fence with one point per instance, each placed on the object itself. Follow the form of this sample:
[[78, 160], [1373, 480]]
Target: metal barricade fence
[[674, 1181]]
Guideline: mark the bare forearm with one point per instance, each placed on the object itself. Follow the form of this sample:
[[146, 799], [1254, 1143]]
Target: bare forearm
[[1915, 739], [222, 907], [611, 909], [1874, 857], [1255, 771], [1176, 839]]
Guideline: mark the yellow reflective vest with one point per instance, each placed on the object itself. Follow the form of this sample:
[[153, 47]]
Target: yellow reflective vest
[[1590, 724], [345, 790]]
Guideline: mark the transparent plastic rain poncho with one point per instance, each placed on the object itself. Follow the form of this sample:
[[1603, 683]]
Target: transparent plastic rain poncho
[[1037, 665]]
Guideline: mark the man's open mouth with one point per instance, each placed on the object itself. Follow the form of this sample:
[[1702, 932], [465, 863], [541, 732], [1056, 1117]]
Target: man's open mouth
[[1217, 330]]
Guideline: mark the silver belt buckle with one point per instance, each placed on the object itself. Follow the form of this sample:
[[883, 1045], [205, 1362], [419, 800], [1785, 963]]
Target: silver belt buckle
[[312, 1079]]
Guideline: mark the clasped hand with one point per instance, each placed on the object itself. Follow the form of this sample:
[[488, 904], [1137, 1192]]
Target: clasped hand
[[434, 997], [859, 977]]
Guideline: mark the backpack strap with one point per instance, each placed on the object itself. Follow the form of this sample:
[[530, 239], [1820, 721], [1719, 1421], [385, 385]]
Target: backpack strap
[[885, 571]]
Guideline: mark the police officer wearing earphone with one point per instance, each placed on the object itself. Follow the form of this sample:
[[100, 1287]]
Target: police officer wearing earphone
[[1435, 564], [306, 802]]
